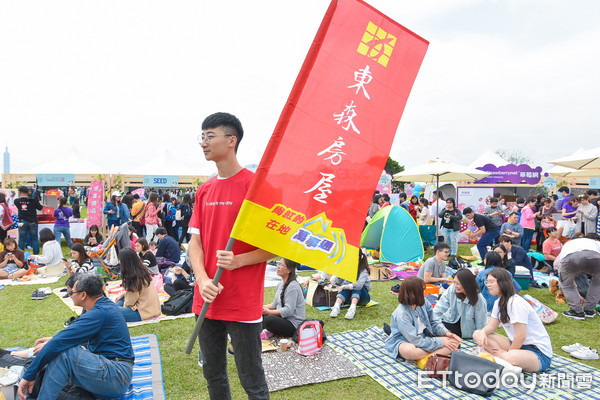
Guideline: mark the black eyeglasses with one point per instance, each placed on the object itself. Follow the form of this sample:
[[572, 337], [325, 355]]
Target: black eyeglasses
[[72, 292]]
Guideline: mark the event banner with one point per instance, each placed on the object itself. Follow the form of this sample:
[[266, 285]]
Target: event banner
[[312, 189], [95, 205], [161, 180], [55, 180]]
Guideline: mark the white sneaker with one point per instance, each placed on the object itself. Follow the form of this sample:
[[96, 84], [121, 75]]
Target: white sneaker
[[351, 312], [335, 311], [574, 347], [586, 354]]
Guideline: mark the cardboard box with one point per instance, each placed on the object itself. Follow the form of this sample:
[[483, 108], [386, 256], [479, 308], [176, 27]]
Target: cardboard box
[[378, 272]]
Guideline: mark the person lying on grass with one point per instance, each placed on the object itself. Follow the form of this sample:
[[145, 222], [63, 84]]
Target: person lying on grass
[[528, 345], [416, 332]]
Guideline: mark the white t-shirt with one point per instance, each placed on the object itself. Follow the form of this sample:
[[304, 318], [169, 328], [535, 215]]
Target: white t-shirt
[[519, 311]]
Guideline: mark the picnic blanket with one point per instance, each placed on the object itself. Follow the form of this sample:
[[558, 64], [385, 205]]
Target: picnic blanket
[[112, 286], [147, 381], [289, 369], [35, 280], [566, 378], [369, 304]]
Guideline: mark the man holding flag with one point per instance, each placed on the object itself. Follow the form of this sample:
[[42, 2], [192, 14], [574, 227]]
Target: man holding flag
[[315, 179], [236, 304]]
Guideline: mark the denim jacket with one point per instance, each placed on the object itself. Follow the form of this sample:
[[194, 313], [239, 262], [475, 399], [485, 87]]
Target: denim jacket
[[405, 325], [450, 308], [489, 298], [121, 211]]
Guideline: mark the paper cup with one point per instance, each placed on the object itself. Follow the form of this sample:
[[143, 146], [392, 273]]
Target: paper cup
[[284, 344]]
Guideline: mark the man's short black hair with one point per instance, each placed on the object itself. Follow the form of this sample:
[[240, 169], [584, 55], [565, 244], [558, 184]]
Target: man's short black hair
[[592, 192], [402, 196], [513, 213], [23, 189], [564, 189], [467, 210], [493, 200], [230, 123], [136, 196], [91, 284], [160, 231], [72, 279], [440, 247]]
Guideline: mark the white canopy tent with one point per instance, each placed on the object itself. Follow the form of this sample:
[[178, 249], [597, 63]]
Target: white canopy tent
[[70, 162], [168, 163], [581, 159]]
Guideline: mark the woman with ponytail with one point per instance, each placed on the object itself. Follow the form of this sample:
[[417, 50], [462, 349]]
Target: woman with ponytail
[[286, 313]]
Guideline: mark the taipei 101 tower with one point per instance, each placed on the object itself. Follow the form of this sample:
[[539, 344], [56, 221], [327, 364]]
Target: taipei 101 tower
[[6, 161]]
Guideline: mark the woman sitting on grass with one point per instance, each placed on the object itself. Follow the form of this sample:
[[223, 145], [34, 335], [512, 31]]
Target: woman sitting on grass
[[139, 301], [80, 263], [353, 293], [492, 260], [94, 237], [528, 345], [286, 313], [416, 331], [462, 307], [507, 264], [12, 261], [51, 251], [147, 257]]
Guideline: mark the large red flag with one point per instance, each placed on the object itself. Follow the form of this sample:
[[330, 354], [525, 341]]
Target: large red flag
[[312, 189]]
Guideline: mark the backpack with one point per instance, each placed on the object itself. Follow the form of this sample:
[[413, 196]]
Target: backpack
[[310, 338], [171, 212], [180, 303], [458, 263]]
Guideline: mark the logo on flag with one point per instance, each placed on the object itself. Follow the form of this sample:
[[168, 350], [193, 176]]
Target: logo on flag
[[377, 44]]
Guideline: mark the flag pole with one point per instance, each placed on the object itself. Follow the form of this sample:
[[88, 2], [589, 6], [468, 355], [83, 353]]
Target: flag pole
[[204, 310]]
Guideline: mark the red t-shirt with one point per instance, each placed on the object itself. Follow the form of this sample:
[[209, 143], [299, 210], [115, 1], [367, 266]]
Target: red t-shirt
[[551, 247], [218, 202]]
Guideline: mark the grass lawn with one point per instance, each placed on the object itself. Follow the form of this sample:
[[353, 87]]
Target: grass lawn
[[22, 321]]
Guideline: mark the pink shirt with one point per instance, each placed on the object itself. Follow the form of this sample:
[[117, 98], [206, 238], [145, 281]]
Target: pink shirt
[[527, 218]]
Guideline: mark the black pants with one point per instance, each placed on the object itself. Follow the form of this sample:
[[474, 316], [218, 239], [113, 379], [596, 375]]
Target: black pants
[[3, 234], [178, 284], [454, 328], [278, 326], [138, 228], [245, 339]]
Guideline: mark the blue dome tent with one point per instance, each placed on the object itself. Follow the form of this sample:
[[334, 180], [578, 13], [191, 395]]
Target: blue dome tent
[[395, 234]]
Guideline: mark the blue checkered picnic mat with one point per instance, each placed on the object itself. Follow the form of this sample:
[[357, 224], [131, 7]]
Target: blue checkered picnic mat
[[147, 382], [565, 379]]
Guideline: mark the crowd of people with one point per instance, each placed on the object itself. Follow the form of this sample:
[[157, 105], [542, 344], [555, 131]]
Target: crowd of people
[[238, 313]]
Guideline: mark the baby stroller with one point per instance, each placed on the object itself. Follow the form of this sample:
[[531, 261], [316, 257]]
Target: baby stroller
[[106, 258], [427, 236]]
